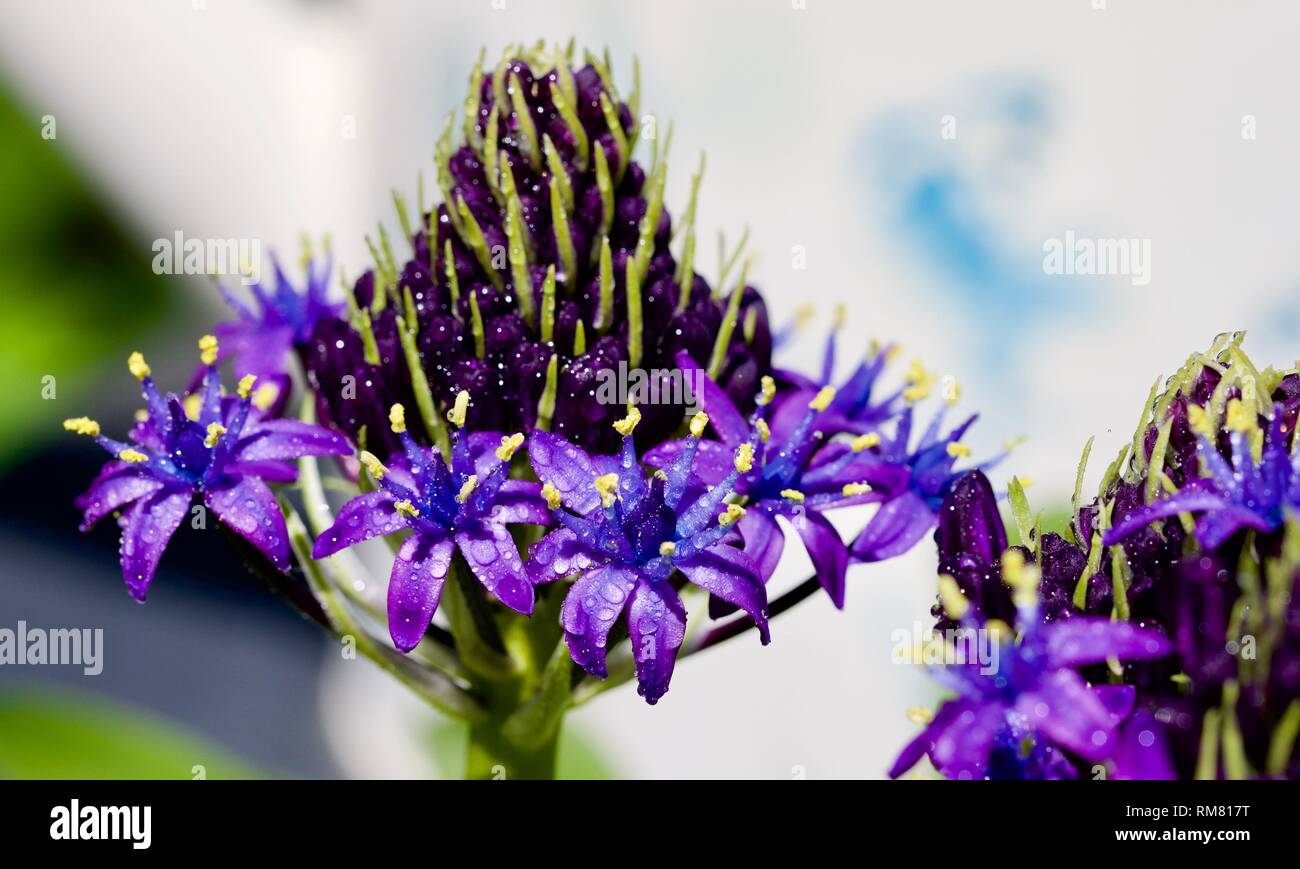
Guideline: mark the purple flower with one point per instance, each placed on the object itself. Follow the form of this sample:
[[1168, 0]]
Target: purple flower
[[261, 338], [1014, 712], [786, 478], [466, 504], [1236, 495], [629, 539], [224, 449]]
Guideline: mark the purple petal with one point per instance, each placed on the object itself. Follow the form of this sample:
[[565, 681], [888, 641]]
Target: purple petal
[[1213, 529], [961, 750], [414, 587], [656, 624], [566, 467], [246, 506], [1141, 751], [1066, 709], [924, 741], [117, 485], [494, 558], [764, 541], [895, 528], [830, 557], [1078, 641], [558, 555], [288, 439], [731, 575], [365, 516], [269, 470], [146, 528], [725, 419], [590, 609], [969, 522], [520, 501], [1181, 502]]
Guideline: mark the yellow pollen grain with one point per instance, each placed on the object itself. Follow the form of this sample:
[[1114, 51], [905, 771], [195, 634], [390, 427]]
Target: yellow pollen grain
[[137, 366], [607, 486], [456, 416], [865, 441], [509, 444], [192, 403], [208, 348], [552, 496], [627, 424], [823, 399], [215, 431], [265, 396], [919, 715], [851, 489], [958, 450], [406, 508], [793, 495], [953, 601], [245, 387], [132, 456], [397, 418], [467, 488], [764, 433], [373, 466], [731, 515], [668, 548], [698, 422], [82, 425], [767, 391], [745, 458]]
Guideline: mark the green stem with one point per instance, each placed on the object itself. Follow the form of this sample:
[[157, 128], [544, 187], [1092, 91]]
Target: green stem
[[493, 756]]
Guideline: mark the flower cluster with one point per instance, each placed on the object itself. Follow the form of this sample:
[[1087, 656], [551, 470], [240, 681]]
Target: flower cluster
[[543, 542], [1169, 602]]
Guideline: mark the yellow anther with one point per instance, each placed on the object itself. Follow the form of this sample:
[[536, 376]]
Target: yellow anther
[[374, 467], [141, 415], [265, 396], [958, 450], [192, 404], [745, 458], [793, 495], [919, 715], [1239, 418], [731, 515], [509, 444], [82, 425], [920, 382], [245, 387], [215, 431], [138, 367], [397, 418], [668, 548], [950, 597], [208, 348], [406, 508], [839, 317], [764, 432], [456, 416], [552, 496], [627, 424], [803, 315], [767, 390], [823, 399], [1014, 443], [698, 422], [132, 456], [467, 488], [865, 441], [999, 631], [1199, 421], [851, 489], [607, 486]]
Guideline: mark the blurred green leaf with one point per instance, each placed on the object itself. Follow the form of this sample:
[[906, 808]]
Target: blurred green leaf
[[58, 735], [76, 290]]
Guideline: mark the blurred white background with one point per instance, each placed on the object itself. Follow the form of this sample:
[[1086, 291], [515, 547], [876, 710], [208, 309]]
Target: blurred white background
[[823, 127]]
